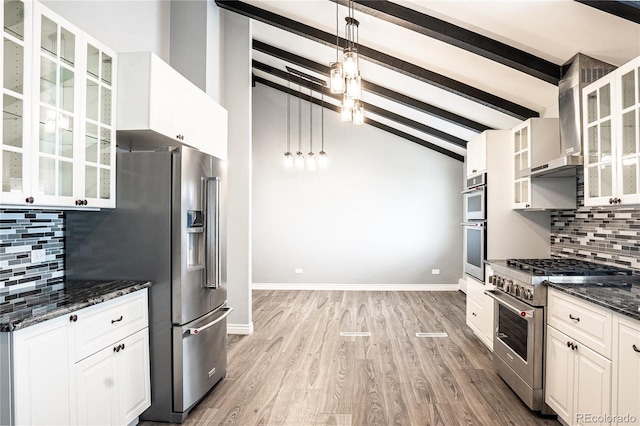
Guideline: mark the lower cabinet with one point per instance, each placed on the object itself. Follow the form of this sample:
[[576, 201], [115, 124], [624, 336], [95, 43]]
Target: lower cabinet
[[480, 312], [54, 380], [626, 372], [578, 380]]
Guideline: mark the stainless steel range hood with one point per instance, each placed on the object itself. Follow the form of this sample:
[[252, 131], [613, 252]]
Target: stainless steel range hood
[[577, 73]]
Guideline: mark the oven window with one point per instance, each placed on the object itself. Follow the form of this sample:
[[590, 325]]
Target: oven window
[[513, 331], [474, 247], [474, 203]]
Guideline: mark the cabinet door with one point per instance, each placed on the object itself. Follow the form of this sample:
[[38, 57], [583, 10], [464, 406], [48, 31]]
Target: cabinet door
[[559, 374], [477, 155], [57, 102], [133, 377], [15, 51], [522, 161], [628, 102], [98, 127], [42, 376], [626, 390], [96, 404], [592, 386]]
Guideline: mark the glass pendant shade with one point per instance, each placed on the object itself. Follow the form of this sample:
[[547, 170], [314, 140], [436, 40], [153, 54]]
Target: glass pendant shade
[[346, 114], [288, 160], [311, 161], [350, 62], [299, 160], [347, 102], [358, 114], [337, 78], [354, 87], [322, 159]]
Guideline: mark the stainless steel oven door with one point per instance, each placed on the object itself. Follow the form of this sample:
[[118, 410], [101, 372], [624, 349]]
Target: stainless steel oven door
[[475, 248], [518, 344], [475, 206]]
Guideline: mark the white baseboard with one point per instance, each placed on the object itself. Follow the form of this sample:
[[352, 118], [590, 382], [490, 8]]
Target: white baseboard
[[240, 328], [356, 287]]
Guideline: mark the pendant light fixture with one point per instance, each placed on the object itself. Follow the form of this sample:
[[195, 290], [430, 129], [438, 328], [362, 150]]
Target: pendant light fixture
[[288, 157], [322, 156], [299, 155], [311, 159], [336, 81]]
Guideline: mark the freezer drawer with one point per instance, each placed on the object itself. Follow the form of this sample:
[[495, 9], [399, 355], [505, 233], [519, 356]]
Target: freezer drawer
[[200, 357]]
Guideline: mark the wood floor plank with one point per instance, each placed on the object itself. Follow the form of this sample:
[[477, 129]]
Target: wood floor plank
[[296, 369]]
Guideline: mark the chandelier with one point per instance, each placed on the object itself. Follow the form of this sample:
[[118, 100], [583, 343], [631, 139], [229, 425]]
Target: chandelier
[[344, 76]]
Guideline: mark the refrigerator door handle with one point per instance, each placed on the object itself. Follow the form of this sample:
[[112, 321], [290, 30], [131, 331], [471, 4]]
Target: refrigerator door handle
[[226, 311], [212, 270]]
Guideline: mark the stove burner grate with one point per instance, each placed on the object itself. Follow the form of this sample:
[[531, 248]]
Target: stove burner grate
[[565, 267]]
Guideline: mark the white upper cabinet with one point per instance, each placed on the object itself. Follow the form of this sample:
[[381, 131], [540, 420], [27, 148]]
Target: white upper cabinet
[[477, 155], [57, 150], [610, 126], [159, 107]]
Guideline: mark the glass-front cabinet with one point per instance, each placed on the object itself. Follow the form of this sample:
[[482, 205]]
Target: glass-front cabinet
[[14, 150], [522, 163], [58, 145], [611, 143]]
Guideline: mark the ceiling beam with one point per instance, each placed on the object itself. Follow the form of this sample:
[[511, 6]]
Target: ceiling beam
[[629, 10], [438, 80], [460, 37], [375, 89], [367, 120], [400, 119]]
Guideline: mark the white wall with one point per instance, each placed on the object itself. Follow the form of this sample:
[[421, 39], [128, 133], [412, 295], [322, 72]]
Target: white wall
[[124, 25], [385, 211]]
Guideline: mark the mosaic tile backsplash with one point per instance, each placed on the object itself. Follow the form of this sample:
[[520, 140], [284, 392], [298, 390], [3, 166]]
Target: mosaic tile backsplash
[[20, 232], [605, 235]]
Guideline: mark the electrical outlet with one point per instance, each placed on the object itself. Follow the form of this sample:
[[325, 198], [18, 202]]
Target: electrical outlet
[[38, 255], [298, 270], [435, 272]]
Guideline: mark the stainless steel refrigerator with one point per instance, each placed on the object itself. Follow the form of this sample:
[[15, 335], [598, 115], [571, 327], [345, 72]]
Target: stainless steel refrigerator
[[168, 228]]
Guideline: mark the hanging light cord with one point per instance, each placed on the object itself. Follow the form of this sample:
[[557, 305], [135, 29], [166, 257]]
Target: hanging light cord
[[337, 36], [310, 118], [322, 120], [288, 116], [299, 122]]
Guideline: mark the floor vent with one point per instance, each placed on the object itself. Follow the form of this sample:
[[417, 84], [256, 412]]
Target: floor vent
[[355, 333], [432, 335]]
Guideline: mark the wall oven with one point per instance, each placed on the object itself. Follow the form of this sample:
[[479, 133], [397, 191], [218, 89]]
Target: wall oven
[[475, 226], [475, 204]]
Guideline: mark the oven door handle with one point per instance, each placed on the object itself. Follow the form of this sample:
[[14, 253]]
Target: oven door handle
[[526, 313], [479, 224], [474, 189]]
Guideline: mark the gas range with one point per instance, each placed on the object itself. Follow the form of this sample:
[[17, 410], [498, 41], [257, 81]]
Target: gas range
[[525, 279]]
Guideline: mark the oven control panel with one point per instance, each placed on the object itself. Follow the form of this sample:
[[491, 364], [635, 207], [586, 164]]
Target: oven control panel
[[519, 290]]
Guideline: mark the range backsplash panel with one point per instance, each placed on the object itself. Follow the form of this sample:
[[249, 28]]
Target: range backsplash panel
[[20, 232], [605, 235]]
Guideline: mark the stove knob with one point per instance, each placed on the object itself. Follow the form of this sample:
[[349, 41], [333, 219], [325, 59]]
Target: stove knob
[[508, 284], [529, 295], [516, 290]]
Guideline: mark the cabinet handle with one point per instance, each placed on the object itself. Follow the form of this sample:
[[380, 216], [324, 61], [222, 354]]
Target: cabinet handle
[[116, 348], [527, 206], [610, 200], [635, 348], [568, 344], [29, 200], [618, 200], [180, 137], [73, 318], [85, 202], [117, 320], [122, 346], [577, 319], [574, 346]]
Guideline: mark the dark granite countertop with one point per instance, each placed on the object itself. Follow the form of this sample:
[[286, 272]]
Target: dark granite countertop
[[74, 296], [618, 294]]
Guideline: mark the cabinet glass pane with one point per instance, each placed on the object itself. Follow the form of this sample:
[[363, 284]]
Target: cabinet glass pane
[[67, 46], [525, 191], [48, 81], [106, 106], [12, 121], [516, 165], [525, 160], [105, 147], [66, 138], [47, 176], [592, 156], [65, 181], [517, 193], [93, 61], [91, 182], [14, 18], [92, 100], [592, 107], [11, 171], [629, 133], [105, 184], [594, 178], [66, 91], [630, 176], [49, 36], [605, 101], [13, 69], [525, 138], [107, 68], [48, 118], [628, 89], [605, 141], [91, 143], [516, 142], [606, 180]]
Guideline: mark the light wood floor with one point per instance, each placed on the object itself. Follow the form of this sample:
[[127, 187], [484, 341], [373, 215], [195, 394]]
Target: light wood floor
[[296, 369]]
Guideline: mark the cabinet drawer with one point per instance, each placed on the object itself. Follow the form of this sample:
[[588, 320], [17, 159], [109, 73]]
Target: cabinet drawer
[[582, 321], [104, 324]]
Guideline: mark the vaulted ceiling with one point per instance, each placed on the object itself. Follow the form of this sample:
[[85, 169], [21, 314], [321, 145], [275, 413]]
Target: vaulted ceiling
[[440, 72]]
